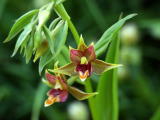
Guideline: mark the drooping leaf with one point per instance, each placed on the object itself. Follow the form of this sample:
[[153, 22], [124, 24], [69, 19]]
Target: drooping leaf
[[53, 23], [80, 95], [106, 37], [29, 49], [38, 38], [23, 36], [49, 38], [60, 38], [44, 60], [20, 24]]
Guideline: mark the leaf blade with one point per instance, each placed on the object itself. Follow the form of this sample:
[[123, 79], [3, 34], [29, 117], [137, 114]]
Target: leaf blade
[[20, 24]]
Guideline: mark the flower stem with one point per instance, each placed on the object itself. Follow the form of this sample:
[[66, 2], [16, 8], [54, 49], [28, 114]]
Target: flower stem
[[62, 12]]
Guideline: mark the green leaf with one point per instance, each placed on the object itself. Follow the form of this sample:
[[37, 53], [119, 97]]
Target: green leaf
[[60, 38], [108, 85], [47, 58], [56, 44], [53, 23], [20, 24], [107, 36], [80, 95], [23, 36], [29, 49], [38, 38], [44, 60], [49, 38]]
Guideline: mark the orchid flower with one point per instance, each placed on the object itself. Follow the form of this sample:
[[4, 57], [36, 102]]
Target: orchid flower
[[84, 62], [60, 89]]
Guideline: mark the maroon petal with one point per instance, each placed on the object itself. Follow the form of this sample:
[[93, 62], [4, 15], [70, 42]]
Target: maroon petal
[[75, 56], [51, 78], [57, 93], [90, 53]]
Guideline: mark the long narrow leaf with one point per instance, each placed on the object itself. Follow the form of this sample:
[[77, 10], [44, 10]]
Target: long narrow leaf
[[105, 37], [107, 87], [20, 24]]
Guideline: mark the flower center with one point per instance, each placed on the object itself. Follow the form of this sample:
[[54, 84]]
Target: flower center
[[84, 70], [84, 60]]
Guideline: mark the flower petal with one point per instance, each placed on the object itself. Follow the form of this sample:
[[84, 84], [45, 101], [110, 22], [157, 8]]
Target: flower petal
[[51, 78], [99, 66], [68, 69], [80, 95], [82, 46], [90, 53], [51, 100], [75, 55], [60, 95], [83, 76]]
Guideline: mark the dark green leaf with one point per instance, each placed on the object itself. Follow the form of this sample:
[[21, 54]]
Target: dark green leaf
[[20, 24]]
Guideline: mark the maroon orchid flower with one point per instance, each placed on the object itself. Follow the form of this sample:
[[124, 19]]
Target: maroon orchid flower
[[84, 62], [60, 90]]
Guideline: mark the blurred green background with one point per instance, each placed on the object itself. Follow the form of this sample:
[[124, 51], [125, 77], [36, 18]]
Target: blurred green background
[[21, 91]]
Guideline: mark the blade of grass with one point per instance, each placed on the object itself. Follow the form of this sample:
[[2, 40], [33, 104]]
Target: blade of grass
[[107, 99]]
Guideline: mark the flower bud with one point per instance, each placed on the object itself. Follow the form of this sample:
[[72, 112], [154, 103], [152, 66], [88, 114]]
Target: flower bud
[[123, 72], [78, 111], [131, 55], [129, 34]]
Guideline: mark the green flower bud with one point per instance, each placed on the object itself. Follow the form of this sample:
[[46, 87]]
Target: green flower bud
[[123, 72], [129, 34], [131, 55], [78, 111]]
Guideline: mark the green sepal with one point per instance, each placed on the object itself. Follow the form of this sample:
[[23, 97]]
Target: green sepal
[[100, 66], [68, 69], [80, 95]]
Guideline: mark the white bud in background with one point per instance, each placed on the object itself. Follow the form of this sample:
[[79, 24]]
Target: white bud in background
[[78, 111], [130, 55], [123, 72], [129, 34]]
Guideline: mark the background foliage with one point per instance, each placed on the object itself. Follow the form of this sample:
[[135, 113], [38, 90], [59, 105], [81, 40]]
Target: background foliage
[[138, 83]]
